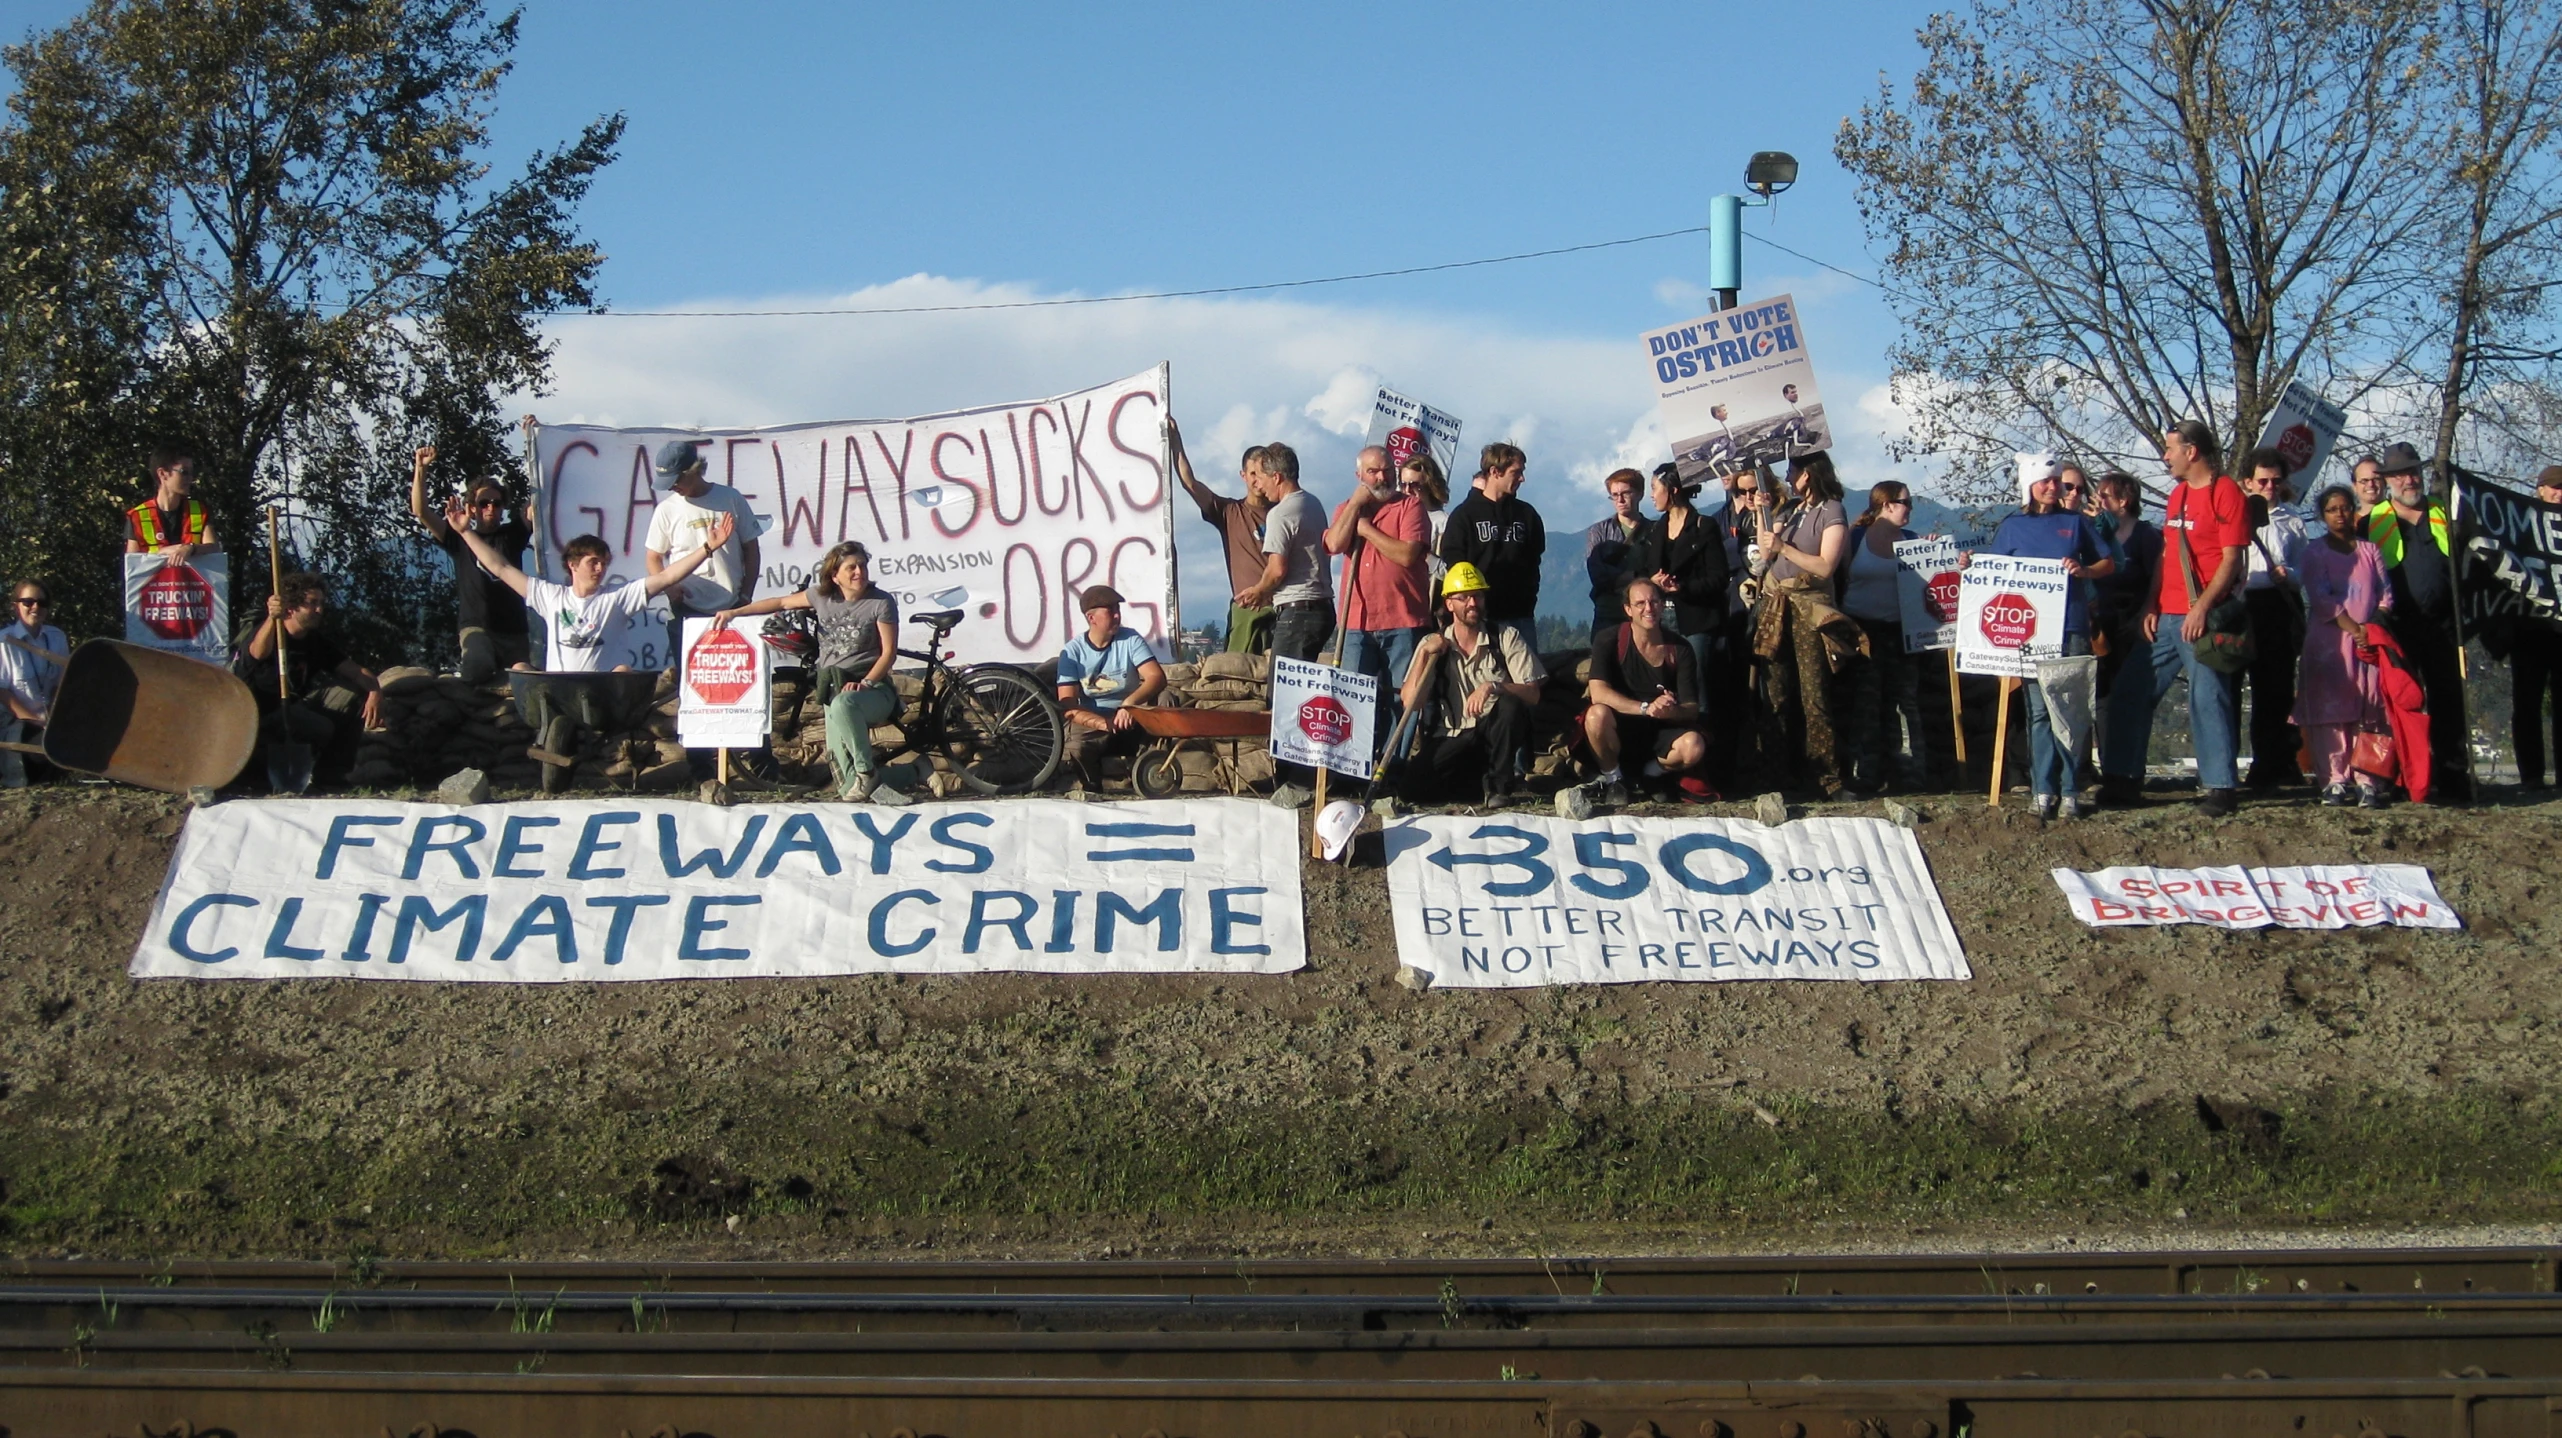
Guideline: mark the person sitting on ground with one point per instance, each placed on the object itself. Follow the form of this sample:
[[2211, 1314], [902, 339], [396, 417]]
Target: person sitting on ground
[[1644, 693], [490, 621], [172, 523], [857, 644], [313, 664], [1104, 668], [27, 679], [2340, 695], [578, 617], [1240, 526], [1478, 680]]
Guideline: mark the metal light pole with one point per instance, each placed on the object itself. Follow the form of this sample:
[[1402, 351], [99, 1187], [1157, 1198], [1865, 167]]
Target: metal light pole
[[1769, 172]]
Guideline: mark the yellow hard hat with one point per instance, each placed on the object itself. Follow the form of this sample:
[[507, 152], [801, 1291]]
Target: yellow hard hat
[[1463, 578]]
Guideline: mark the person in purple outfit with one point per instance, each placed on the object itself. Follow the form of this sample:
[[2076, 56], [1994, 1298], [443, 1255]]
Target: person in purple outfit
[[2336, 695]]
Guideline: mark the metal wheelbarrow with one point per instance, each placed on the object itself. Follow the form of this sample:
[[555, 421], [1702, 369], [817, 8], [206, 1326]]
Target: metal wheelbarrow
[[615, 704], [1158, 771], [153, 720]]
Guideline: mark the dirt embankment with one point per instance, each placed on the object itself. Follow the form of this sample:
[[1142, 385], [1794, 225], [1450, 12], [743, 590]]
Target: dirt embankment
[[2120, 1078]]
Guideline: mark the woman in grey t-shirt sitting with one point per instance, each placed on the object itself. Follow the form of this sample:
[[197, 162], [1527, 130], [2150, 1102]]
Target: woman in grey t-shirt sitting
[[857, 643]]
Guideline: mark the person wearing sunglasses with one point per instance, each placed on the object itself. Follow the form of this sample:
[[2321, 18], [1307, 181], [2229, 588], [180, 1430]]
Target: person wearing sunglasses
[[27, 681], [490, 619]]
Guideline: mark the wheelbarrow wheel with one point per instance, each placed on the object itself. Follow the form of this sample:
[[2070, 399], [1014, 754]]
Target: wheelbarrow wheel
[[1001, 730], [559, 737], [1158, 774]]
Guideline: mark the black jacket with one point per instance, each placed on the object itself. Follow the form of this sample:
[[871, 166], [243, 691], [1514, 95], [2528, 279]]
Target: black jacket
[[1505, 541], [1696, 559]]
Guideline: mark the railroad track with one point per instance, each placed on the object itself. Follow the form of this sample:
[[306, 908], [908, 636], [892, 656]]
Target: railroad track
[[2349, 1343]]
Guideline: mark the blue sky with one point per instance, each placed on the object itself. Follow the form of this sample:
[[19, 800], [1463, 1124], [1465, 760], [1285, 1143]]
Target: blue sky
[[796, 152]]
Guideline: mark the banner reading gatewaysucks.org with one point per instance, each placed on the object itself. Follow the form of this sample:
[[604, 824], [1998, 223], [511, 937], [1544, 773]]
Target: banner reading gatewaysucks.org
[[643, 889], [1515, 901]]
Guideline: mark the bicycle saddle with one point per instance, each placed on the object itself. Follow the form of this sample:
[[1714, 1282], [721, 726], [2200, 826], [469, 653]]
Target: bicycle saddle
[[941, 619]]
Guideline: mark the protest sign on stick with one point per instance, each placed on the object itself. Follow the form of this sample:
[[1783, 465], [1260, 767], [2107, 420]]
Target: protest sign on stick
[[1323, 717], [1926, 580], [726, 699], [1404, 426], [2010, 614], [1005, 512], [1737, 388], [182, 608], [2303, 428]]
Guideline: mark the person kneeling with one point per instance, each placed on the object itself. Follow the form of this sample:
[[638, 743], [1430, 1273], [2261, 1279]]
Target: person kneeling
[[1644, 694], [304, 729], [1470, 689]]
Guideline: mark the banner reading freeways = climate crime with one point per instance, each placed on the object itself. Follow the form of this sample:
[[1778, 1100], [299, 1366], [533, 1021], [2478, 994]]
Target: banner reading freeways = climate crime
[[556, 892]]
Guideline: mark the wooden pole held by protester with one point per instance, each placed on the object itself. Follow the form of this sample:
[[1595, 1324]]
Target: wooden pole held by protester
[[276, 579], [1956, 710], [1316, 840], [2001, 739]]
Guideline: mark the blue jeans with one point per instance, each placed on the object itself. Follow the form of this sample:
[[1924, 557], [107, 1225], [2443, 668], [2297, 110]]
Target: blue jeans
[[1385, 654], [2050, 768], [2214, 710]]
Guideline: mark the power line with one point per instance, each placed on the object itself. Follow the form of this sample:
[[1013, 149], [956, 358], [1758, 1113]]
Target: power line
[[1123, 299], [1836, 269]]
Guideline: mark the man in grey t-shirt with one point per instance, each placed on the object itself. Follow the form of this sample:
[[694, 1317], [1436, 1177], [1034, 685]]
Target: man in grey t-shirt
[[1295, 582]]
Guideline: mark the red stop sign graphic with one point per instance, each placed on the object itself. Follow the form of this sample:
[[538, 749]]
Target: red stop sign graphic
[[1940, 597], [2297, 445], [721, 667], [176, 603], [2009, 621], [1404, 443], [1324, 721]]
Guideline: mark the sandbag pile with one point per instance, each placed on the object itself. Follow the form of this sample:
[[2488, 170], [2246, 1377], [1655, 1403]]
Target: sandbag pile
[[435, 725]]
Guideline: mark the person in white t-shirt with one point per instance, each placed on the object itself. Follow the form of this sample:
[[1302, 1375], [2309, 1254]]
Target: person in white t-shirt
[[683, 519], [580, 616]]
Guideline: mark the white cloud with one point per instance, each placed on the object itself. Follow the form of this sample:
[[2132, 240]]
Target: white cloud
[[1244, 371]]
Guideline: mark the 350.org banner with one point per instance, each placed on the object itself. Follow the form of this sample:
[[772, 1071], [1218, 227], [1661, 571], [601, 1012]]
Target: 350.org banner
[[643, 889], [1003, 513]]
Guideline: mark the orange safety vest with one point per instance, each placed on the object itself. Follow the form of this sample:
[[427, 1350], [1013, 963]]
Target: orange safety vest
[[145, 520]]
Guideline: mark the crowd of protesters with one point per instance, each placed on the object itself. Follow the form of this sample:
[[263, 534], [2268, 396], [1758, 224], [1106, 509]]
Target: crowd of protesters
[[1757, 645]]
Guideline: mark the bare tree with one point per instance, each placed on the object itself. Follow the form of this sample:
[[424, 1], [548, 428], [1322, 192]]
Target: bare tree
[[2102, 215], [2502, 117]]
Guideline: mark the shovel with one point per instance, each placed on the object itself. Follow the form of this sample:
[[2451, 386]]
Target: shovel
[[288, 763]]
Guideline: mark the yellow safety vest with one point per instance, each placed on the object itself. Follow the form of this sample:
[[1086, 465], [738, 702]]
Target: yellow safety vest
[[145, 518], [2384, 528]]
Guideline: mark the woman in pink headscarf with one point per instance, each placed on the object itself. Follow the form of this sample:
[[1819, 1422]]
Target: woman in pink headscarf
[[2345, 588]]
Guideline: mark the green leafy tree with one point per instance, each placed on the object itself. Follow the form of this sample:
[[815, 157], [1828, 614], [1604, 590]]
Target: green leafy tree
[[308, 269]]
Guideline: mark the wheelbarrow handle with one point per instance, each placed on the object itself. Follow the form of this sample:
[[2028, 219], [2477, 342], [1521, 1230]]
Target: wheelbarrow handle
[[15, 747], [37, 650]]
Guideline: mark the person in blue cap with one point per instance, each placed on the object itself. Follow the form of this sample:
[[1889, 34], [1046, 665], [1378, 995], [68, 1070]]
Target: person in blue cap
[[688, 506]]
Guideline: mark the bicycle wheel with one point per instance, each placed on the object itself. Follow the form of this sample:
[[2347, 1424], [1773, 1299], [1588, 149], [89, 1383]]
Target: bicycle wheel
[[1000, 729]]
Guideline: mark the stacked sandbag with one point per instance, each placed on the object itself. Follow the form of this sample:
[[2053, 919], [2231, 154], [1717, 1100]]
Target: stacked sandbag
[[1553, 718], [1238, 682], [435, 725]]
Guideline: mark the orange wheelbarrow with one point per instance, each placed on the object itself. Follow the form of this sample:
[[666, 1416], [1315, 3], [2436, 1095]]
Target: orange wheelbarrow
[[1158, 771], [150, 719]]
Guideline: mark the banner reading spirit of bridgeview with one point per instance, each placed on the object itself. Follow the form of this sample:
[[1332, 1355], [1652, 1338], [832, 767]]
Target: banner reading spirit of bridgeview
[[1926, 581], [1004, 513], [1322, 715], [1736, 388], [1520, 901], [2010, 614], [2312, 896], [642, 889], [183, 608]]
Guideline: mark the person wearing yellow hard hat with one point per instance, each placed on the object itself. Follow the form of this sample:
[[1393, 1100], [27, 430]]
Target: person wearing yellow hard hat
[[1470, 688]]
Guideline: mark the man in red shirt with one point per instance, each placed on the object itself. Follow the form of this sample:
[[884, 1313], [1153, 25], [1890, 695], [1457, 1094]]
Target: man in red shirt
[[2207, 523], [1385, 537]]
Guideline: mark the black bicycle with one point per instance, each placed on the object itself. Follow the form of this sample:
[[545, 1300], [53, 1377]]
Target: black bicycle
[[996, 724]]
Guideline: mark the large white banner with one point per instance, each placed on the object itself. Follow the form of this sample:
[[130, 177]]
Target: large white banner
[[1736, 387], [2010, 614], [649, 889], [1003, 513], [2312, 896], [1517, 901], [183, 608]]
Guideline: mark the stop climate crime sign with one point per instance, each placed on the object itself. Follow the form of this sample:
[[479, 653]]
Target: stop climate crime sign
[[1324, 721], [2008, 621]]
